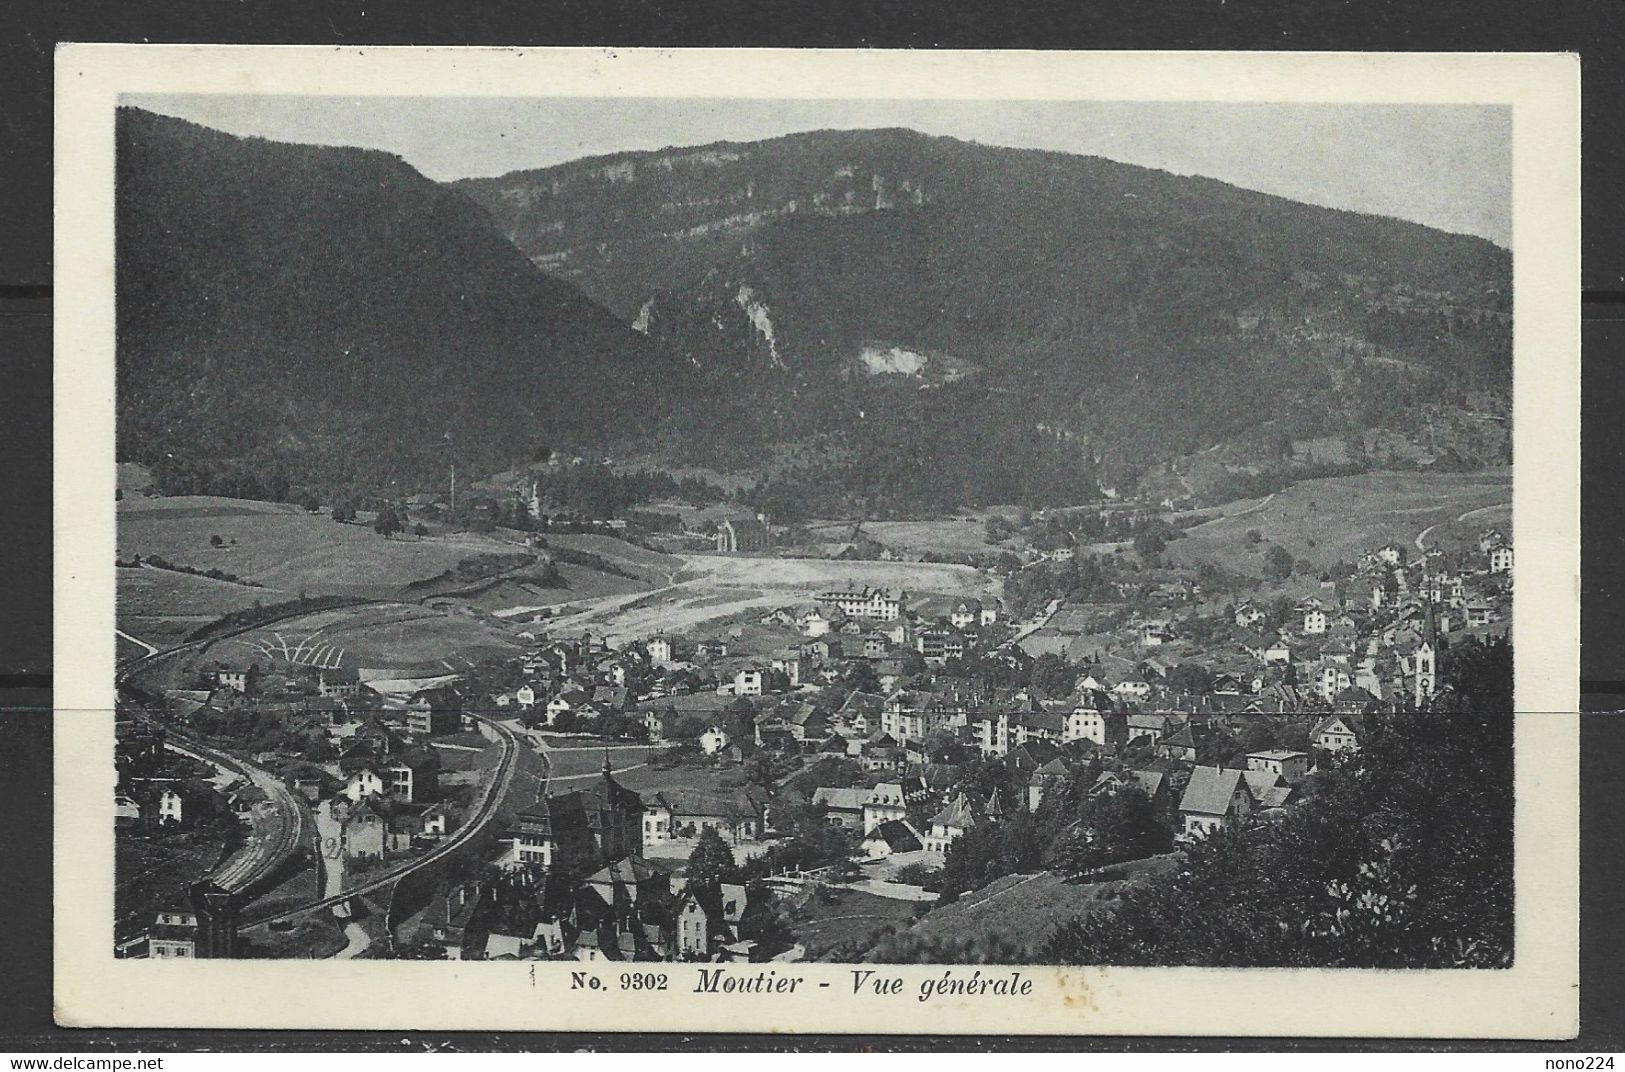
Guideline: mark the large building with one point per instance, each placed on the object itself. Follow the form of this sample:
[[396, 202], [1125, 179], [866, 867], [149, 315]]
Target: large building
[[579, 830], [877, 604]]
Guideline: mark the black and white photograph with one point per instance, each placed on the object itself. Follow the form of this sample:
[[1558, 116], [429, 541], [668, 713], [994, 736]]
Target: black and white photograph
[[711, 540]]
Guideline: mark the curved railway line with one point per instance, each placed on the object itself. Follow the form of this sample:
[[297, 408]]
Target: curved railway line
[[261, 859], [476, 825]]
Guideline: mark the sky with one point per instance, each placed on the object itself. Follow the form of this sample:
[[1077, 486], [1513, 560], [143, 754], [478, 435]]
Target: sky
[[1446, 166]]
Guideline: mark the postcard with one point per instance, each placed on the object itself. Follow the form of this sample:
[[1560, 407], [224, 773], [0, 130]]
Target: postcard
[[898, 542]]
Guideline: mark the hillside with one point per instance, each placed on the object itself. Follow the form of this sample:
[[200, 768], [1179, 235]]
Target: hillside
[[293, 314], [1038, 312]]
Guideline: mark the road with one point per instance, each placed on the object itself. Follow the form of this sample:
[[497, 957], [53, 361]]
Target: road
[[484, 814]]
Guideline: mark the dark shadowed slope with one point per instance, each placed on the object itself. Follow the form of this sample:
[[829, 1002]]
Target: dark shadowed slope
[[327, 316]]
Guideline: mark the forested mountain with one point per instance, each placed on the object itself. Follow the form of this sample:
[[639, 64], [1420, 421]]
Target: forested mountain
[[328, 316], [1005, 306], [874, 321]]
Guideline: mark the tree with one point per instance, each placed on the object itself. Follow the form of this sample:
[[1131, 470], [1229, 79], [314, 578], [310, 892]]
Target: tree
[[1402, 858], [217, 540], [388, 522], [711, 863], [344, 511], [420, 530], [1278, 563]]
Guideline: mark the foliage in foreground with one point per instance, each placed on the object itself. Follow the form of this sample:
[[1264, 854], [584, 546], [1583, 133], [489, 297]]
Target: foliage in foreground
[[1404, 859]]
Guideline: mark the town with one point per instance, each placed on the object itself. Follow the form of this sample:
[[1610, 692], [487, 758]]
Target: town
[[815, 778]]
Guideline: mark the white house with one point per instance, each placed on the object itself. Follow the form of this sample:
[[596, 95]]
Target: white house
[[659, 649], [750, 683], [714, 740], [1314, 622], [364, 783], [1501, 559]]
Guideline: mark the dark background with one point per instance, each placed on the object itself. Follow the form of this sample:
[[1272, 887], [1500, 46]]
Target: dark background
[[1592, 28]]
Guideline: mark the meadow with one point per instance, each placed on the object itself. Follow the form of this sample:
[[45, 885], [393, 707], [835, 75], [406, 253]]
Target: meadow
[[411, 639], [1339, 518], [282, 547]]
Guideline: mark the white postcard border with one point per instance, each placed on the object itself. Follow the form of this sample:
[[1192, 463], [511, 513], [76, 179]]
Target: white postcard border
[[1536, 998]]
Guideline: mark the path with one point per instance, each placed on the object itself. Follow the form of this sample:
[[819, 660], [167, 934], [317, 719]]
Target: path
[[330, 843], [1255, 508], [151, 648], [1421, 537]]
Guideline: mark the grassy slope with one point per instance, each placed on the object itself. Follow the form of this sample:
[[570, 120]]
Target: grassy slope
[[1344, 516], [1023, 909], [283, 547]]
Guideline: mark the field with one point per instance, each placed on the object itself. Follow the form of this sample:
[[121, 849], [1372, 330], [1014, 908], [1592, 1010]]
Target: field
[[1022, 910], [282, 547], [965, 533], [405, 638], [713, 588], [1336, 519]]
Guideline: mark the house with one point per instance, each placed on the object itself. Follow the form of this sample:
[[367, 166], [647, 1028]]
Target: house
[[875, 645], [1132, 689], [750, 683], [735, 535], [714, 740], [338, 684], [1391, 554], [1338, 733], [568, 700], [990, 612], [432, 712], [1268, 789], [1290, 766], [1215, 798], [659, 649], [449, 916], [364, 829], [239, 681], [966, 613], [1092, 720], [414, 777], [1184, 743], [788, 663], [1479, 614], [1277, 652], [1330, 680], [1248, 615], [957, 817], [884, 804], [1046, 780], [819, 621], [893, 835], [737, 815], [1314, 622], [172, 936], [842, 807], [1153, 726]]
